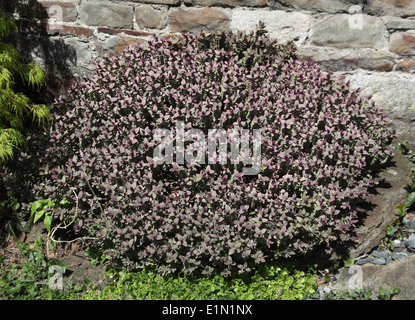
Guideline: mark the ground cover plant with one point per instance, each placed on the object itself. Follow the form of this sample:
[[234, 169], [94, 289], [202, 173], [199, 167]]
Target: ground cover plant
[[25, 274], [321, 145], [268, 283]]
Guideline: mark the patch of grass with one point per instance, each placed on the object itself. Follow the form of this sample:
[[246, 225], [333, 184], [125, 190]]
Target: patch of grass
[[269, 283]]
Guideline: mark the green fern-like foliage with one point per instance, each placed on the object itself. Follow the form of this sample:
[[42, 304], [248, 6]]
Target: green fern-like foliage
[[15, 107]]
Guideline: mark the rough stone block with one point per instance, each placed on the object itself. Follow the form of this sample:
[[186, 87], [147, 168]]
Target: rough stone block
[[196, 19], [333, 59], [83, 52], [134, 33], [392, 91], [343, 31], [398, 274], [79, 31], [115, 44], [170, 2], [402, 43], [148, 17], [281, 25], [108, 15], [404, 8], [407, 65], [227, 3], [397, 23], [61, 11], [52, 29], [321, 5]]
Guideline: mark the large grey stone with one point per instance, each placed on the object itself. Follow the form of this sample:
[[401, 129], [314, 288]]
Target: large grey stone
[[393, 92], [343, 31], [339, 59], [170, 2], [322, 5], [380, 254], [398, 274], [398, 255], [227, 3], [148, 17], [379, 261], [402, 43], [83, 56], [197, 19], [410, 243], [403, 8], [409, 221], [364, 260], [80, 268], [381, 209], [280, 24], [59, 10], [397, 23], [107, 14]]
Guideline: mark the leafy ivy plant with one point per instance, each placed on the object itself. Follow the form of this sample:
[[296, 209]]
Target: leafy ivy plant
[[38, 210]]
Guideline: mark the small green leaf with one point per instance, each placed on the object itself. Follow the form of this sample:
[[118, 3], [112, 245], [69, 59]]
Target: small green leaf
[[124, 276], [45, 203], [410, 199], [48, 220], [36, 205], [400, 208], [38, 215], [64, 203]]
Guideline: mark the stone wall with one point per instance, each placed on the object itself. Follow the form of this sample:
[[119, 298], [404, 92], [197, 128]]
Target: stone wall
[[371, 43]]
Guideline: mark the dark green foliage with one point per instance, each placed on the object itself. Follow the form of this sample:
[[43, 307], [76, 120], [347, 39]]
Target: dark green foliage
[[17, 115], [15, 107]]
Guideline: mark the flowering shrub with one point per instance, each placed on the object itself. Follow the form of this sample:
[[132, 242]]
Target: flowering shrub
[[319, 144]]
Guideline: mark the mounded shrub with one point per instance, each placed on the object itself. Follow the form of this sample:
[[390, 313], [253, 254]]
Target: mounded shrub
[[320, 144]]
